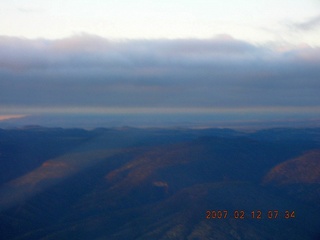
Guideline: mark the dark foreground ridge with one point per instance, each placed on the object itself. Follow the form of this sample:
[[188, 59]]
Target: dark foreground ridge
[[130, 183]]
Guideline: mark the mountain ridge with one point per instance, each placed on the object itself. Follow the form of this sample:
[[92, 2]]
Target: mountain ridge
[[137, 184]]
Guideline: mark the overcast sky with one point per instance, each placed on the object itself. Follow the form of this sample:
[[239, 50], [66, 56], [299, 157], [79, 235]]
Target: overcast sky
[[251, 20], [168, 56]]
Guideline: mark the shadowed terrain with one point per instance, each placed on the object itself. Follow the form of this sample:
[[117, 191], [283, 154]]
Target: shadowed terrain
[[129, 183]]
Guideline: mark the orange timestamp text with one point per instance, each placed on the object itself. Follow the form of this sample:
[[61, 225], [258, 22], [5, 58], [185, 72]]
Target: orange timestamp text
[[254, 214]]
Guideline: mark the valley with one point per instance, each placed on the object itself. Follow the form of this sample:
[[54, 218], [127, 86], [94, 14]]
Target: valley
[[153, 183]]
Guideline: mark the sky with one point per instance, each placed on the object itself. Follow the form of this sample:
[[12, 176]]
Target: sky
[[257, 58]]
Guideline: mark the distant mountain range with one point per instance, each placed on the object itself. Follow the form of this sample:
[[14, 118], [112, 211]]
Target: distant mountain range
[[153, 183]]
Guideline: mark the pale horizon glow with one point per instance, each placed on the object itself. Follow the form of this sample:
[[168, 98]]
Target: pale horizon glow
[[287, 21], [8, 117]]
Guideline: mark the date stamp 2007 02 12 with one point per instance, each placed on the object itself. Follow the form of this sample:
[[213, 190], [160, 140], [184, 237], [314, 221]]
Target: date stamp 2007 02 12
[[255, 214]]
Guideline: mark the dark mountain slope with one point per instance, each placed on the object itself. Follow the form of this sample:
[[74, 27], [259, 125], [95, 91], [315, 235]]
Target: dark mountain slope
[[183, 216], [298, 177], [22, 150], [153, 184], [304, 169], [203, 160]]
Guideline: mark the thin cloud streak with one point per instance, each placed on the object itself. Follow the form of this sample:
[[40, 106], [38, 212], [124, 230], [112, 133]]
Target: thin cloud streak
[[310, 24], [7, 117], [146, 110]]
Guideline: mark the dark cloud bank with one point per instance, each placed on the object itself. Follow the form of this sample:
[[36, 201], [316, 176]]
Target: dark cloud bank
[[86, 71]]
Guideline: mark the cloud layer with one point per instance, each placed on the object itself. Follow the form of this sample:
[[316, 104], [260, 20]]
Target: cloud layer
[[219, 73], [310, 24]]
